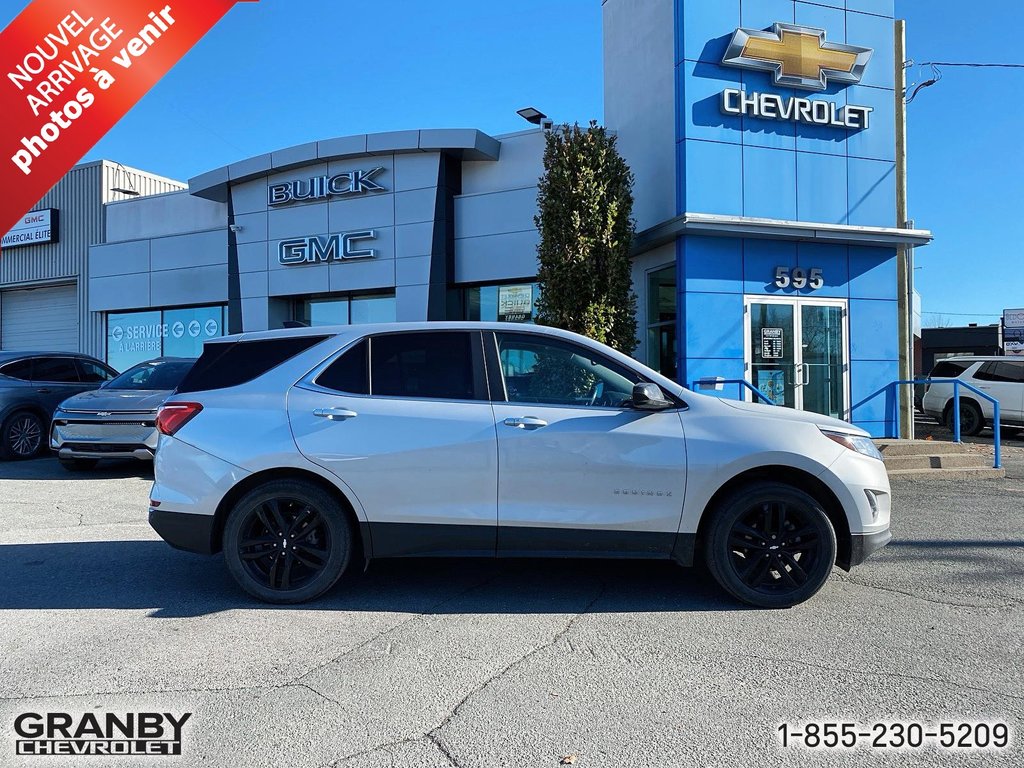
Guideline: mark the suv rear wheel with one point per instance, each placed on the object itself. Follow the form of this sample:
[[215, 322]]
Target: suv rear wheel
[[971, 419], [287, 541], [770, 545], [21, 436]]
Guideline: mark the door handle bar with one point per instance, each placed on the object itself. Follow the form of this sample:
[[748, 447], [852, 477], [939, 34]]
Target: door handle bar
[[335, 414], [525, 422]]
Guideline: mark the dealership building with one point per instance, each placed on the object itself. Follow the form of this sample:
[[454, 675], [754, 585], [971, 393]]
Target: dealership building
[[762, 135]]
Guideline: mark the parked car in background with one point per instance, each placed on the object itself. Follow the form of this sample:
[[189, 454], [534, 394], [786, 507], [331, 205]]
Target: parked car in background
[[999, 377], [299, 453], [116, 421], [32, 384]]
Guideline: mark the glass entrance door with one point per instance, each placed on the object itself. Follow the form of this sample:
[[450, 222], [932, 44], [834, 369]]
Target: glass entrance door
[[797, 352]]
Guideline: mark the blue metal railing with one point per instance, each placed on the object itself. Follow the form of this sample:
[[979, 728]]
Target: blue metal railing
[[893, 404], [714, 382]]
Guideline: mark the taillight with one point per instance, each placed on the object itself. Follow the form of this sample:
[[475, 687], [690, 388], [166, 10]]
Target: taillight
[[173, 416]]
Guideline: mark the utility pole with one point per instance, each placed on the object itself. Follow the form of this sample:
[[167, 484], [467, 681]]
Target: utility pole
[[904, 288]]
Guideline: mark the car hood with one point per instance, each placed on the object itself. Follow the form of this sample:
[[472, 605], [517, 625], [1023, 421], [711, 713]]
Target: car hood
[[791, 415], [117, 400]]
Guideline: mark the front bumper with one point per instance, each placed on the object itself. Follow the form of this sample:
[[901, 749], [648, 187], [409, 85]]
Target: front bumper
[[191, 533], [863, 545], [119, 437]]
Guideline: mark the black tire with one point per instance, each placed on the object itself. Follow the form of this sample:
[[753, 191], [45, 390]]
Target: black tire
[[971, 419], [321, 534], [740, 553], [78, 465], [22, 436]]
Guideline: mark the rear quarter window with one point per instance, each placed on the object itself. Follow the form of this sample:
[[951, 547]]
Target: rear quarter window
[[229, 364], [949, 369]]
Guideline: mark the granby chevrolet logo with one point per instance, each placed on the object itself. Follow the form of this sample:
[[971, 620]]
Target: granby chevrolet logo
[[798, 57]]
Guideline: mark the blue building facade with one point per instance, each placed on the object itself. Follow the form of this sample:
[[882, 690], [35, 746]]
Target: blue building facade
[[785, 217]]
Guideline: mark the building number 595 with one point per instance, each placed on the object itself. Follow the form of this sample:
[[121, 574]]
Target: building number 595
[[798, 277]]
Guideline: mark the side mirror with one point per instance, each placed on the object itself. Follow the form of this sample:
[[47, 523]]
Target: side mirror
[[649, 397]]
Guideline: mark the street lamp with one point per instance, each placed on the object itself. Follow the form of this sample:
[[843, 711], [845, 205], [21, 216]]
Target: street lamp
[[531, 115]]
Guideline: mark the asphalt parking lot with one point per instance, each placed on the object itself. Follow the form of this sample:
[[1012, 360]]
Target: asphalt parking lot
[[519, 663]]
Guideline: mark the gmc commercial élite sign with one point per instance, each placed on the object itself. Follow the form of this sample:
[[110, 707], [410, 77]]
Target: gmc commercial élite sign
[[34, 228]]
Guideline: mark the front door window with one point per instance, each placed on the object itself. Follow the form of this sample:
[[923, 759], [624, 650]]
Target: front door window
[[797, 353]]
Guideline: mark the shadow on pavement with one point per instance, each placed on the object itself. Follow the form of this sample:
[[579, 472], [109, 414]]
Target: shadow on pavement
[[150, 575], [48, 468]]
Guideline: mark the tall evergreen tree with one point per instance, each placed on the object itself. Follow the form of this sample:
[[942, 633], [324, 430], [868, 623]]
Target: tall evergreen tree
[[585, 203]]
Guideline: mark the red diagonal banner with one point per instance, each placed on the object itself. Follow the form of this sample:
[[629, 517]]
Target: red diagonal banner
[[70, 69]]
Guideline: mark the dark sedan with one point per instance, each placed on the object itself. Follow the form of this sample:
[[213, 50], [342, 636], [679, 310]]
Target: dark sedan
[[117, 420]]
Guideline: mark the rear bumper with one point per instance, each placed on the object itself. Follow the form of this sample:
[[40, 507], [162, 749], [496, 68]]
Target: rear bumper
[[191, 533], [863, 545]]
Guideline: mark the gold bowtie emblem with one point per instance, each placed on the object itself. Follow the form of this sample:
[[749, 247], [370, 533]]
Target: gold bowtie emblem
[[798, 56]]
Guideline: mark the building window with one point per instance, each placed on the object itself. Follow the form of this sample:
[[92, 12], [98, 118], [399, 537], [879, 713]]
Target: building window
[[662, 347], [134, 337], [514, 303], [346, 310]]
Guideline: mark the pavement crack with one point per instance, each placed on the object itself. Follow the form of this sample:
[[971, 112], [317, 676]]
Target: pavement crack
[[1012, 603], [430, 611], [79, 515], [434, 733], [887, 674]]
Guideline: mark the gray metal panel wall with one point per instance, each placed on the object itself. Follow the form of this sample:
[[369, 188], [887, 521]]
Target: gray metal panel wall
[[79, 198]]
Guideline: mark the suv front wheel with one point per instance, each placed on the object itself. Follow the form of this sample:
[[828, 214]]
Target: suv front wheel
[[287, 541], [770, 545]]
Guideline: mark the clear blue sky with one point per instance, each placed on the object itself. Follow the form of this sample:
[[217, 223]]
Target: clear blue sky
[[282, 72]]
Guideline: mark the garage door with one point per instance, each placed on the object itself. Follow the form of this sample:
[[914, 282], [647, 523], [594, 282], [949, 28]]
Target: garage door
[[39, 319]]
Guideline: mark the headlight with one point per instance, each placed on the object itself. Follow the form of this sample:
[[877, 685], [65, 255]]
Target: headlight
[[858, 443]]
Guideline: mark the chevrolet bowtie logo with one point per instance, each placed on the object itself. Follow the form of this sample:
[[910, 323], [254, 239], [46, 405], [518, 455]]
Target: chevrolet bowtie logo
[[798, 56]]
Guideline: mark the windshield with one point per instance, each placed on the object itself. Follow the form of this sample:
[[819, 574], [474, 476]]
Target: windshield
[[156, 375]]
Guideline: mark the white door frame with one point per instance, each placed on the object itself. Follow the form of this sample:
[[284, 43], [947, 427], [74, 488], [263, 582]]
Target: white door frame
[[797, 302]]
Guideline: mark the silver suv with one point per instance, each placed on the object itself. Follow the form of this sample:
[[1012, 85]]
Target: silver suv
[[300, 453], [32, 384], [998, 377]]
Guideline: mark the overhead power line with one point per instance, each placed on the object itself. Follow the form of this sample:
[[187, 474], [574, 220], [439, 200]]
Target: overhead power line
[[968, 64]]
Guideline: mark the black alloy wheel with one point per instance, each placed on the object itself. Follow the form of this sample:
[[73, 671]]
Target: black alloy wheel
[[971, 419], [22, 435], [287, 541], [771, 545]]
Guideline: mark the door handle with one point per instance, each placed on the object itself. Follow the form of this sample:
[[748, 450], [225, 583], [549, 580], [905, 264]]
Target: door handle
[[526, 422], [807, 374], [335, 414], [44, 391]]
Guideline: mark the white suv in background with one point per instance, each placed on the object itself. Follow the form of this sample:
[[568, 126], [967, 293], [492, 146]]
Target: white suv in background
[[301, 453], [998, 377]]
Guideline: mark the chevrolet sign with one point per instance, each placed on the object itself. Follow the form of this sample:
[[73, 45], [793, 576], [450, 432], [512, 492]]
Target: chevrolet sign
[[797, 57]]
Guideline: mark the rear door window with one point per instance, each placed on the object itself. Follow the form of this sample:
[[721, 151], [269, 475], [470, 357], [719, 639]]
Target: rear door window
[[56, 370], [229, 364], [436, 365]]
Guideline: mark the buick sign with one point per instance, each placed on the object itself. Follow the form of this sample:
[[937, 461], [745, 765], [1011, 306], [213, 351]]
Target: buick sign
[[346, 184]]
